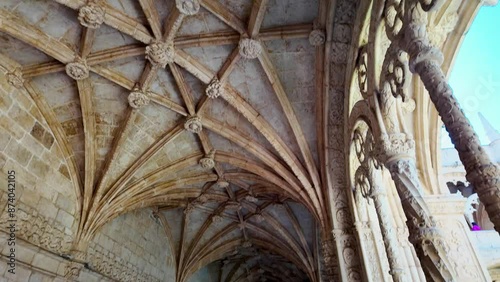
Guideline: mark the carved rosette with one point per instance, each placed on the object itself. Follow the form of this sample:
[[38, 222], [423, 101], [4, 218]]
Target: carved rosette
[[247, 244], [91, 15], [214, 89], [208, 162], [15, 78], [250, 48], [317, 37], [72, 270], [188, 7], [160, 54], [138, 99], [78, 69], [193, 124]]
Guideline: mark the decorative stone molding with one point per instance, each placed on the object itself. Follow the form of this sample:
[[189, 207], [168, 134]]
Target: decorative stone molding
[[15, 78], [250, 48], [193, 124], [106, 263], [138, 99], [208, 162], [78, 69], [160, 54], [214, 89], [394, 145], [317, 37], [439, 32], [91, 15], [34, 228], [188, 7], [72, 270]]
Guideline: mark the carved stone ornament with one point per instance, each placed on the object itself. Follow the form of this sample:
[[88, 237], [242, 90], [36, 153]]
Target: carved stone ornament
[[251, 199], [193, 124], [91, 15], [160, 54], [137, 98], [188, 7], [214, 89], [72, 270], [15, 78], [317, 37], [36, 229], [208, 162], [78, 69], [395, 144], [216, 219], [250, 48]]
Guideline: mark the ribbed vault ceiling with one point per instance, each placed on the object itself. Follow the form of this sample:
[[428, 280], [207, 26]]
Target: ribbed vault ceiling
[[258, 208]]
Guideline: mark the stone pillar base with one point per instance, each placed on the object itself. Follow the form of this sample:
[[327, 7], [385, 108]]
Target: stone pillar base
[[448, 212]]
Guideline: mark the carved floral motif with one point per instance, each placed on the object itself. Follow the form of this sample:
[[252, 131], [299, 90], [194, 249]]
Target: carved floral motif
[[208, 162], [160, 54], [91, 15], [78, 69], [214, 89], [193, 124], [250, 48], [138, 99], [317, 37]]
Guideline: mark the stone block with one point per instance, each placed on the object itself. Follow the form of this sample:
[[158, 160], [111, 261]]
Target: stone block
[[65, 203], [47, 209], [43, 136], [4, 140], [46, 262], [65, 218], [5, 102], [39, 168], [20, 154], [21, 116]]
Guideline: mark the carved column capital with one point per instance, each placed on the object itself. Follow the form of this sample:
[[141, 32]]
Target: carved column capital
[[317, 37], [91, 15], [193, 124], [188, 7], [78, 69], [250, 48], [394, 146], [160, 54]]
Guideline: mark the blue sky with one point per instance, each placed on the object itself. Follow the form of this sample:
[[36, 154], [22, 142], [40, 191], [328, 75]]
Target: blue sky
[[475, 78]]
